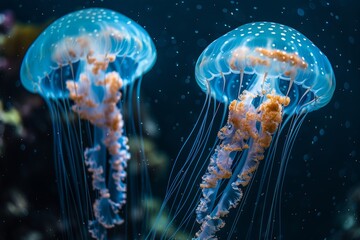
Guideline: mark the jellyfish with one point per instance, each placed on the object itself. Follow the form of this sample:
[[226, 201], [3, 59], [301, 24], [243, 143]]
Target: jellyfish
[[78, 65], [269, 77]]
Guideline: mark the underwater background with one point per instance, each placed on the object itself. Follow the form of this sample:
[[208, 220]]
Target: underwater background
[[321, 194]]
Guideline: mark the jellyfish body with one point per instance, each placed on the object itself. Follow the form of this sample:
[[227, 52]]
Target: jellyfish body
[[268, 76], [87, 57], [267, 72]]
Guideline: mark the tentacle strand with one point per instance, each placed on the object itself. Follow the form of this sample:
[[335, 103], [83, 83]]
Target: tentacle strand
[[100, 108], [249, 129]]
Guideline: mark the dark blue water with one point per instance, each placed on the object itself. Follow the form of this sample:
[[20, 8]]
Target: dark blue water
[[319, 200]]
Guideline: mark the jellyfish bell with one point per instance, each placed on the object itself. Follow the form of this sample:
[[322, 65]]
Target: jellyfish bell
[[88, 56], [68, 44], [274, 53]]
